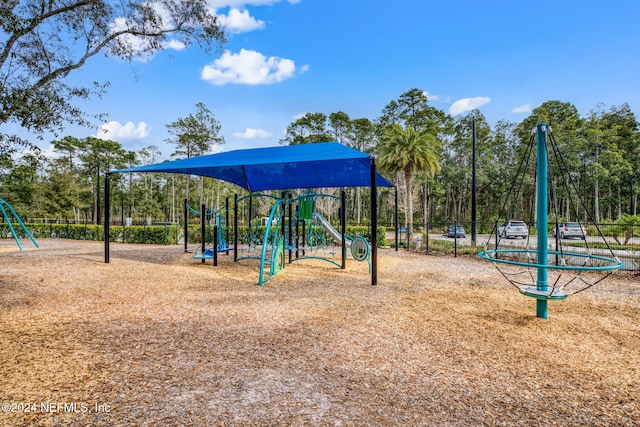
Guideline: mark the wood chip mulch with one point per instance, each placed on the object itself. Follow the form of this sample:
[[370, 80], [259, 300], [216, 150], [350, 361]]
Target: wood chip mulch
[[156, 338]]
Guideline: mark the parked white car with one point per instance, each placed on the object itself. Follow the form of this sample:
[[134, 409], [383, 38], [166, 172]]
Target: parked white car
[[570, 229], [513, 228]]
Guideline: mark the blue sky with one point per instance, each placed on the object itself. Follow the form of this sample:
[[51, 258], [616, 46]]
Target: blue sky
[[285, 58]]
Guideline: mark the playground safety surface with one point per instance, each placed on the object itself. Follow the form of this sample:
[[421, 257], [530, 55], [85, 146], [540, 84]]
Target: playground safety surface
[[155, 338]]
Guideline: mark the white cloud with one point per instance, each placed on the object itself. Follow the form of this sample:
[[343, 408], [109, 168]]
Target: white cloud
[[431, 97], [237, 21], [115, 131], [215, 149], [248, 67], [217, 4], [251, 133], [50, 152], [175, 45], [522, 109], [468, 104]]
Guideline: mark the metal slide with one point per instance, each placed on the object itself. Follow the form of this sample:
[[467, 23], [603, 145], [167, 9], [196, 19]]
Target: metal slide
[[332, 231]]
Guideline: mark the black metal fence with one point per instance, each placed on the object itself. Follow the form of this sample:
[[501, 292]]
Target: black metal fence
[[457, 238]]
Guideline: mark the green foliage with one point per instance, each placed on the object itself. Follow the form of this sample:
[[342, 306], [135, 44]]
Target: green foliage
[[150, 234], [35, 58], [627, 226], [194, 134], [408, 151], [160, 234], [311, 128], [358, 230], [600, 151], [448, 247]]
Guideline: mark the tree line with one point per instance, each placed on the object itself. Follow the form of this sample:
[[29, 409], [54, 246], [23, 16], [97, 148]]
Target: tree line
[[423, 150]]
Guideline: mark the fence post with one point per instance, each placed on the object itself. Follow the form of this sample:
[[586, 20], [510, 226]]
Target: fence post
[[455, 238], [426, 237]]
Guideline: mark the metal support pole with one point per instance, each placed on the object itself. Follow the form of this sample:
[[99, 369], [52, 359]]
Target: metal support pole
[[290, 228], [343, 227], [250, 209], [215, 245], [455, 238], [203, 215], [186, 226], [107, 220], [542, 216], [297, 239], [374, 224], [426, 237], [235, 228], [226, 224], [473, 185]]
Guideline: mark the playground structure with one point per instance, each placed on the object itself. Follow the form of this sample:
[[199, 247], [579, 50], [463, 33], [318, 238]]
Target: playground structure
[[294, 227], [7, 213], [551, 262], [220, 238], [319, 165]]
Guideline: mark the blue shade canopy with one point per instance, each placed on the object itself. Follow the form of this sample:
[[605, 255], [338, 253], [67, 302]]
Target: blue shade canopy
[[326, 164]]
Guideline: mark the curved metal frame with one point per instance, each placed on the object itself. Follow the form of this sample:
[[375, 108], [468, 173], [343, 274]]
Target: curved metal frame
[[615, 263]]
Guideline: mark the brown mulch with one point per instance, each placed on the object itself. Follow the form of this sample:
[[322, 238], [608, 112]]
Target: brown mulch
[[155, 338]]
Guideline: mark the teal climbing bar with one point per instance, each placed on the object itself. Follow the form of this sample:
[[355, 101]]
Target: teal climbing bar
[[542, 216]]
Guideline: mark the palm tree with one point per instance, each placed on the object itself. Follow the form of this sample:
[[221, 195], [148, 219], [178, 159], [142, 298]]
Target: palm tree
[[408, 151]]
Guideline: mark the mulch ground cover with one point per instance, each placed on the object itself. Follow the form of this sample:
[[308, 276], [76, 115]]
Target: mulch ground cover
[[156, 338]]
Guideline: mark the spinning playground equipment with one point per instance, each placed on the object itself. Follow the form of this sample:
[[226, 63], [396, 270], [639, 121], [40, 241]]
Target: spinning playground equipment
[[305, 235], [7, 212], [551, 262]]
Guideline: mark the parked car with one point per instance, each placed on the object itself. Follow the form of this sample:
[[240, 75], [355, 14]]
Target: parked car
[[513, 228], [567, 230], [455, 232]]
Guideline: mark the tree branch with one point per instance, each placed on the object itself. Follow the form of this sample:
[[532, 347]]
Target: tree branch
[[33, 24]]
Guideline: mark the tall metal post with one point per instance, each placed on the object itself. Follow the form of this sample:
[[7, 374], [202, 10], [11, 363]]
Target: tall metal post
[[343, 227], [290, 228], [455, 238], [235, 228], [186, 226], [374, 224], [215, 245], [107, 220], [542, 216], [473, 183], [226, 223], [203, 229]]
